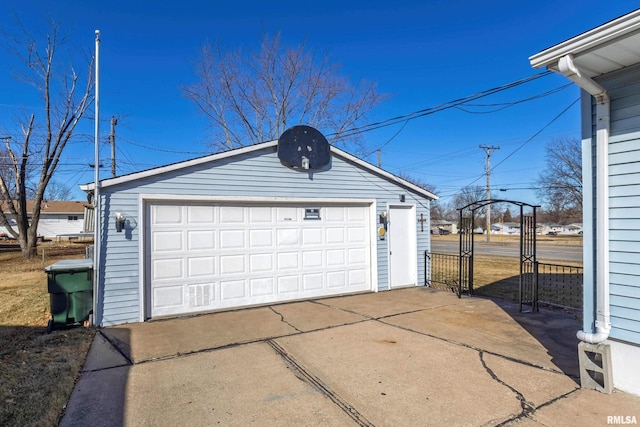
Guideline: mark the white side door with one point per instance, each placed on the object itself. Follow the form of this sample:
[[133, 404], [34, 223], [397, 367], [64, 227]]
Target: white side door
[[402, 246]]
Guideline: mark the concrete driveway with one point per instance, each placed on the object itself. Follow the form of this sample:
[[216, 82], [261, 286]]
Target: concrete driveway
[[406, 357]]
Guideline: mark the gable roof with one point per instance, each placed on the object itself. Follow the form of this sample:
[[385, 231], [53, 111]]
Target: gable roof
[[250, 149], [54, 207], [602, 50]]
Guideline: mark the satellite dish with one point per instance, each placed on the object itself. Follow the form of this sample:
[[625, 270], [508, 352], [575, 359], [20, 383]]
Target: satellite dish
[[303, 147]]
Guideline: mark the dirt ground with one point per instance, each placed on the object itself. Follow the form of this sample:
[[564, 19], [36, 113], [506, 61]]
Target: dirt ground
[[37, 370]]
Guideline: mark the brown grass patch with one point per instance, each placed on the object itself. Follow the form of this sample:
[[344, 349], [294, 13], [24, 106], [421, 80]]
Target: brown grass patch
[[559, 240], [37, 371]]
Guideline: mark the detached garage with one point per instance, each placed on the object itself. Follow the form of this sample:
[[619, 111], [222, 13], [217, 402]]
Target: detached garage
[[246, 227]]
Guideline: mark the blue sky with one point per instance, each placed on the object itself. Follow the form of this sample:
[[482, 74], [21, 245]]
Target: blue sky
[[420, 53]]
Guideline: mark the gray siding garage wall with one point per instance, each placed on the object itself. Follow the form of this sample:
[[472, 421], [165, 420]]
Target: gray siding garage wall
[[254, 174], [624, 203]]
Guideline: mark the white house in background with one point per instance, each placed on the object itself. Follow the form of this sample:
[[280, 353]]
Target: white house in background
[[605, 64], [505, 228], [57, 218], [441, 226], [240, 228]]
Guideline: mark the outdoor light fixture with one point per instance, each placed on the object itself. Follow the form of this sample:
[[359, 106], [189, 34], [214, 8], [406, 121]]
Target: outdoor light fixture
[[120, 220], [402, 198], [383, 220]]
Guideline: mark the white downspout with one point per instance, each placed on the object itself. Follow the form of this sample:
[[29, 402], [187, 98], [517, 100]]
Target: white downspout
[[567, 67]]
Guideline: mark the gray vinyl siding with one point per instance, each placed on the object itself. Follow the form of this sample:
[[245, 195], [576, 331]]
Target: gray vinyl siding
[[624, 203], [254, 174]]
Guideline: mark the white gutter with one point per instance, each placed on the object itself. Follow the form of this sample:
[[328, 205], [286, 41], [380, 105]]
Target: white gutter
[[567, 68]]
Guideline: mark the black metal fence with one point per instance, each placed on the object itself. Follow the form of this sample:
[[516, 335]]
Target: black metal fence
[[557, 285], [560, 285], [442, 271]]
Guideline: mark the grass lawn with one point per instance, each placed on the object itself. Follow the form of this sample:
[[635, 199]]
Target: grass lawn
[[37, 370]]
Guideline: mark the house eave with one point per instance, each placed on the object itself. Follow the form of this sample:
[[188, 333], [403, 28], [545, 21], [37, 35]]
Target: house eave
[[604, 36]]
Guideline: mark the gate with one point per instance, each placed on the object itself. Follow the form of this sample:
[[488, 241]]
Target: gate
[[528, 281]]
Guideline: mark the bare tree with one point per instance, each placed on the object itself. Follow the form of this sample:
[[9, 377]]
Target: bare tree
[[560, 184], [255, 97], [57, 190], [65, 101], [468, 195]]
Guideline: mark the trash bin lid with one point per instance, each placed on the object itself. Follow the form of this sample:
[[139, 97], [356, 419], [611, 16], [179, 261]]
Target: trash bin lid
[[70, 264]]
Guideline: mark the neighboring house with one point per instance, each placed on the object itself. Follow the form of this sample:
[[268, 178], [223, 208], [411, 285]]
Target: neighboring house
[[505, 228], [239, 228], [57, 218], [572, 229], [605, 63], [443, 227], [545, 228]]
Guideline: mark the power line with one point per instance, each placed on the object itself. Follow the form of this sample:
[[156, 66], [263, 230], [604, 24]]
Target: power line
[[431, 110]]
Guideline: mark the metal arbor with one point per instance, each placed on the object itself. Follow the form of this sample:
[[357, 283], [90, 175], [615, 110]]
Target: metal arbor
[[528, 283]]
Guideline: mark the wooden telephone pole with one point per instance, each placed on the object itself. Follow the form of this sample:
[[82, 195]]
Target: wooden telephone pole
[[488, 149]]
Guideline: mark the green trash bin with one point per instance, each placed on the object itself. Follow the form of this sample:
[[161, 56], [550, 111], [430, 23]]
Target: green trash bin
[[70, 285]]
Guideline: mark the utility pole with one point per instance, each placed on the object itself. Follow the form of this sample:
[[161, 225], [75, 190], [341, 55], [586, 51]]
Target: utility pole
[[379, 159], [488, 149], [112, 141]]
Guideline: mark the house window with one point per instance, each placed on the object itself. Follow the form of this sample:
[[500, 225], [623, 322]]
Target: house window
[[72, 217]]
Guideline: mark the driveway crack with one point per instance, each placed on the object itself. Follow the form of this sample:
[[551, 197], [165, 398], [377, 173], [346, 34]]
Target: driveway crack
[[282, 319], [527, 408], [316, 383]]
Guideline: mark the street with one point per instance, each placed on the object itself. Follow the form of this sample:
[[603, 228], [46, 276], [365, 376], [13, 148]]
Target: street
[[544, 251]]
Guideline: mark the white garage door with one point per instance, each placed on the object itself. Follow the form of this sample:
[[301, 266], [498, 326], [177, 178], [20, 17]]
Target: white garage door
[[206, 257]]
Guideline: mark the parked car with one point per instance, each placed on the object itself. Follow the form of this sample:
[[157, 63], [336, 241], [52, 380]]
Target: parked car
[[552, 233]]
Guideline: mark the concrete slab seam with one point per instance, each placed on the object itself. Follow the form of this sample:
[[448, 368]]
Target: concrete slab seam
[[116, 347], [316, 383], [240, 343], [283, 320]]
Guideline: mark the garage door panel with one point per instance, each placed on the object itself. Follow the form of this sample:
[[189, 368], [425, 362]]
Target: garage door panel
[[357, 235], [336, 279], [202, 266], [232, 239], [313, 282], [199, 240], [311, 259], [287, 214], [261, 286], [312, 236], [357, 278], [357, 256], [288, 236], [288, 261], [335, 235], [261, 238], [167, 269], [167, 241], [232, 289], [336, 257], [232, 264], [170, 296], [167, 214], [261, 215], [261, 263], [212, 256], [288, 284], [231, 214], [201, 215], [333, 215]]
